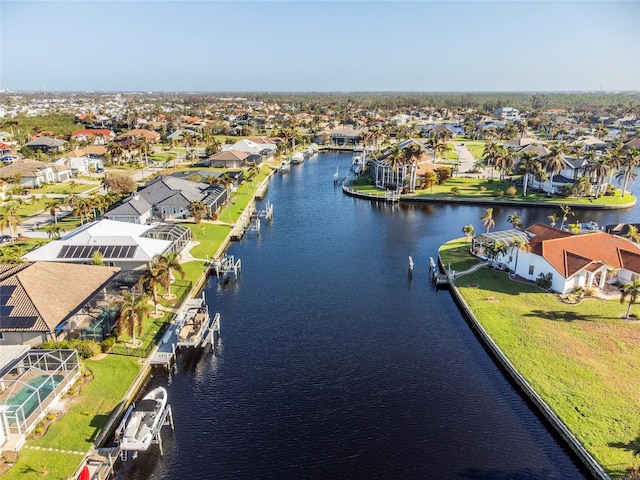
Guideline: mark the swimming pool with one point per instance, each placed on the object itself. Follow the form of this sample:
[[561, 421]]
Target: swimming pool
[[27, 396]]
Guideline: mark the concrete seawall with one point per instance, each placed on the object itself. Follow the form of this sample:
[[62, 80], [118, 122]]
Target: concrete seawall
[[571, 441]]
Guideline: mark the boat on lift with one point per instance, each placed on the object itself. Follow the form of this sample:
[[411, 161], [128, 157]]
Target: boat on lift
[[296, 157], [144, 421]]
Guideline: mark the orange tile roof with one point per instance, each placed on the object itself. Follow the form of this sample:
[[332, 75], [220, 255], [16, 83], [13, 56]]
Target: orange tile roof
[[569, 253]]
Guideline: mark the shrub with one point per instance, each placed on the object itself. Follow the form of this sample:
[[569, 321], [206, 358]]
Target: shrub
[[85, 348], [511, 192], [483, 189], [455, 191], [544, 280], [498, 193], [107, 343]]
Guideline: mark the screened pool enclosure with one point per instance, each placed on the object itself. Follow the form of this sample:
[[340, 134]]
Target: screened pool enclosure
[[30, 385]]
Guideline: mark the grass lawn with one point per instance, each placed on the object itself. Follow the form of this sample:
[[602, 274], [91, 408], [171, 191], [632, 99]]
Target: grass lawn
[[483, 189], [476, 149], [63, 188], [209, 235], [579, 358], [78, 427]]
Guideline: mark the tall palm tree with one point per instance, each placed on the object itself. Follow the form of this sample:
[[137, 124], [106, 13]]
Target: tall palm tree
[[9, 218], [600, 166], [554, 162], [631, 291], [54, 205], [198, 209], [155, 276], [489, 154], [529, 165], [487, 219], [133, 312], [171, 263], [627, 171], [469, 231], [520, 244], [503, 160]]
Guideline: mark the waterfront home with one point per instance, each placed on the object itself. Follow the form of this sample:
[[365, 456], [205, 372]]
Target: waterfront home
[[125, 245], [149, 135], [49, 300], [227, 159], [593, 261], [46, 144], [34, 173], [338, 137], [168, 197], [397, 174], [258, 152]]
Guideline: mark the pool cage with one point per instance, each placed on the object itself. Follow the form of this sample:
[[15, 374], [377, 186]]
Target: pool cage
[[30, 385]]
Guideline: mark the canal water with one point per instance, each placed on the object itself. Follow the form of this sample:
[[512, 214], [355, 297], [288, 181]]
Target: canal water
[[333, 363]]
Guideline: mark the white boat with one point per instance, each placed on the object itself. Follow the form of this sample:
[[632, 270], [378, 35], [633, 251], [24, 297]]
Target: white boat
[[297, 157], [357, 164], [144, 421], [286, 166], [194, 322], [314, 147]]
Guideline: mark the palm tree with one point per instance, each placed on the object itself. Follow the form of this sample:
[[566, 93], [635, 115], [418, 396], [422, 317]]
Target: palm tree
[[198, 209], [489, 154], [600, 167], [554, 162], [469, 231], [583, 186], [566, 211], [171, 262], [133, 311], [631, 291], [487, 219], [53, 230], [156, 276], [503, 160], [520, 244], [529, 165], [515, 220], [633, 234], [9, 218], [97, 258], [628, 171], [553, 219], [54, 205]]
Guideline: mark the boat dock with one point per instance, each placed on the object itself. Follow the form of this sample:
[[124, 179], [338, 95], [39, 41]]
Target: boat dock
[[225, 265], [437, 279], [191, 327]]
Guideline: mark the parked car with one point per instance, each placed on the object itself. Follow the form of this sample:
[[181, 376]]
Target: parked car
[[5, 238]]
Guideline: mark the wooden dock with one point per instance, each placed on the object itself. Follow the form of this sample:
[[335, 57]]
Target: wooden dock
[[437, 279]]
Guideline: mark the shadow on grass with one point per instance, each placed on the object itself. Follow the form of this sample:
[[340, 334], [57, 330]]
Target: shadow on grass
[[632, 446], [97, 422], [563, 316]]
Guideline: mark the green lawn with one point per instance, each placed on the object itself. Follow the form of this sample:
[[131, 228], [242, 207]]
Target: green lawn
[[78, 427], [483, 189], [580, 359], [210, 236], [476, 149], [63, 188]]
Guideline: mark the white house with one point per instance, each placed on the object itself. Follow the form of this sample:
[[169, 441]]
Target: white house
[[590, 261], [507, 114]]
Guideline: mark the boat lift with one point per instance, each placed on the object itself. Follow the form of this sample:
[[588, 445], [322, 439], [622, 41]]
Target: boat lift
[[166, 418], [226, 264], [267, 214]]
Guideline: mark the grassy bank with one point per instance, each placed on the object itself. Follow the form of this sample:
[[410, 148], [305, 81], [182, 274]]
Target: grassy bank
[[494, 190], [88, 411], [579, 358]]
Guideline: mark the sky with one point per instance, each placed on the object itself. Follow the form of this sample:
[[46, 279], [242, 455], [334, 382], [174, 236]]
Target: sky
[[319, 46]]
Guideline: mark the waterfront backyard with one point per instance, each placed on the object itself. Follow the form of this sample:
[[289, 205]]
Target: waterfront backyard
[[580, 358]]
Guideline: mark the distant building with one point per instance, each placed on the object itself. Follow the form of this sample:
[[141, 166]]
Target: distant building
[[46, 144], [507, 114]]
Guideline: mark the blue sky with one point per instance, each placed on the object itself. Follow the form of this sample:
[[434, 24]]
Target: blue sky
[[320, 46]]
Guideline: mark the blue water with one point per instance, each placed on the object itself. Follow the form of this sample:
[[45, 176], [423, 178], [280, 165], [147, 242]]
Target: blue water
[[333, 364]]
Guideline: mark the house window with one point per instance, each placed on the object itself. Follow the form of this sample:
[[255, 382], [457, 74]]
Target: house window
[[1, 336], [530, 269]]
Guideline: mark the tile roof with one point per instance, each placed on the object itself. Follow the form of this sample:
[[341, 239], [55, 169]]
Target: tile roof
[[230, 155], [569, 253], [25, 167], [38, 296]]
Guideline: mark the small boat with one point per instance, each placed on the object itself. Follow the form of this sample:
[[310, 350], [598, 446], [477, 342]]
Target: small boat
[[314, 147], [144, 421], [307, 152], [336, 176], [297, 158], [286, 166]]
